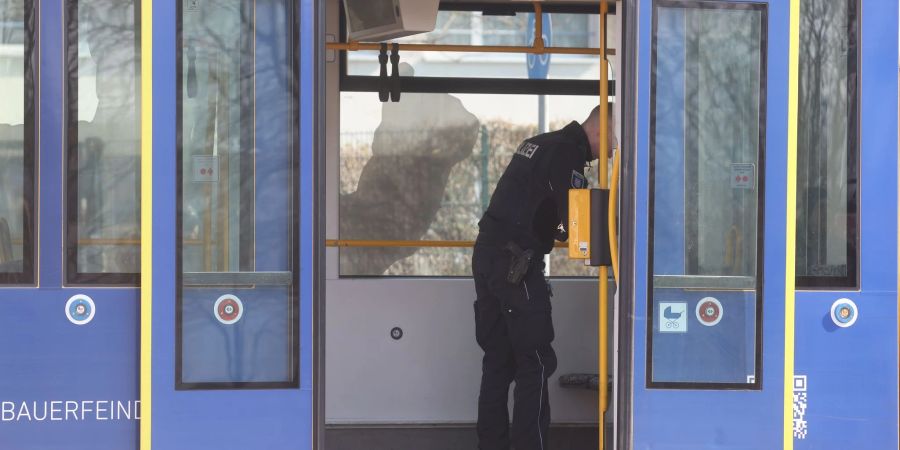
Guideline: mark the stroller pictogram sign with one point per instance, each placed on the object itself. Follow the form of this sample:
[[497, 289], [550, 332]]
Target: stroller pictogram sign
[[673, 317]]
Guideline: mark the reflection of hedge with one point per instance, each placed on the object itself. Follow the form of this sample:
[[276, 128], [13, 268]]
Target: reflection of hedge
[[463, 200]]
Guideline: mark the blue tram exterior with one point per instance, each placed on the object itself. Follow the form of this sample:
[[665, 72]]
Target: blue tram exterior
[[170, 173]]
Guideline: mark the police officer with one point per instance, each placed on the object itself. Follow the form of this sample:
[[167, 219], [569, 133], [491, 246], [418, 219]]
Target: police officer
[[527, 212]]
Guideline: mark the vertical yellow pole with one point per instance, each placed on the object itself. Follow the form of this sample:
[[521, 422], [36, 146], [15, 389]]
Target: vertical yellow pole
[[603, 162], [146, 59]]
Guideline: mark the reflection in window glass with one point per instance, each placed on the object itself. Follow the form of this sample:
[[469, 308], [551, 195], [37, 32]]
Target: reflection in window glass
[[237, 291], [473, 28], [16, 142], [425, 168], [706, 183], [827, 176], [103, 164]]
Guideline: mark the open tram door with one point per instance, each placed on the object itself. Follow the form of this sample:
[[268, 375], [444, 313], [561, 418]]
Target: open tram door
[[719, 344], [227, 293]]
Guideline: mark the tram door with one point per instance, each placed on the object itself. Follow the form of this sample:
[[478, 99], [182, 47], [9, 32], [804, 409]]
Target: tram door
[[69, 224], [231, 272], [712, 152], [764, 317]]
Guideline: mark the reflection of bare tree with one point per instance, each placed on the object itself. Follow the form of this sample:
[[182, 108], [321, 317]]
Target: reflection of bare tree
[[102, 62], [722, 74], [14, 213], [237, 103], [825, 173], [402, 185]]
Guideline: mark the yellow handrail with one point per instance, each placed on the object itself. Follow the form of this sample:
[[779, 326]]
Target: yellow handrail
[[354, 46], [364, 243]]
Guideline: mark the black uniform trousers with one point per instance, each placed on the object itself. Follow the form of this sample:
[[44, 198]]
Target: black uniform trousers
[[514, 328]]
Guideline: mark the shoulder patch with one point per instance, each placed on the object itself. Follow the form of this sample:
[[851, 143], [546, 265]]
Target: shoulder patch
[[578, 180], [527, 149]]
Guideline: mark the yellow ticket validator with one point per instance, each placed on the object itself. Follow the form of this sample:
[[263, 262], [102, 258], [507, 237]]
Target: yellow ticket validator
[[579, 223]]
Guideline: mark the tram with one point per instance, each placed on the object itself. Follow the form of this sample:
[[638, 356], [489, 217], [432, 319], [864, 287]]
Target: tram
[[234, 224]]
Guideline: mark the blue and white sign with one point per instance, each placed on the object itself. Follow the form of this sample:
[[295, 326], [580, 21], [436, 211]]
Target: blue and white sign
[[539, 65], [844, 312], [80, 309], [673, 317]]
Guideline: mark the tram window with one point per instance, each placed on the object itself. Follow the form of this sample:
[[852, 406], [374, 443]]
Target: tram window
[[827, 146], [102, 143], [236, 202], [426, 166], [707, 188], [474, 28], [17, 149]]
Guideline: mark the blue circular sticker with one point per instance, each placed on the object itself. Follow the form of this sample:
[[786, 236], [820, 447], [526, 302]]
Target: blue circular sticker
[[844, 312], [80, 309]]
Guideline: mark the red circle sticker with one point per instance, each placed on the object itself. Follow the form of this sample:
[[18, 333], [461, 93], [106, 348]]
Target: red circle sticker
[[709, 311], [228, 309]]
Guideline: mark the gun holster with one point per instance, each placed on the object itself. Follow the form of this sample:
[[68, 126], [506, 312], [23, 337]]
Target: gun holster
[[519, 264]]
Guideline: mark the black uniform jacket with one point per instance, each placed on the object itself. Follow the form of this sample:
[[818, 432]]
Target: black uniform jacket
[[530, 205]]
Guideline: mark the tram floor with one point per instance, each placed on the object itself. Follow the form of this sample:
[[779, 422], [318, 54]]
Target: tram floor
[[442, 437]]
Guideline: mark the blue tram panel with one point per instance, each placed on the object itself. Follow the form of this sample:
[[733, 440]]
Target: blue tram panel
[[235, 306], [846, 390], [70, 355], [843, 391], [711, 132]]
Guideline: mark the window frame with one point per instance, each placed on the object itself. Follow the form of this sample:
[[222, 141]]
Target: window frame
[[247, 141], [850, 282], [756, 385], [30, 150], [72, 276]]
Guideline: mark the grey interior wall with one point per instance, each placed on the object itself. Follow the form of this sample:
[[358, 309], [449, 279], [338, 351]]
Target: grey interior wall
[[431, 375]]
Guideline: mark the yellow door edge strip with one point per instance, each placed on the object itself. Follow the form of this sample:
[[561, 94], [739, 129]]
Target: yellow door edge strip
[[146, 222], [791, 224]]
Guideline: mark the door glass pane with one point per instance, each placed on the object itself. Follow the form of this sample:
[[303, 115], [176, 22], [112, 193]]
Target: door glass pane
[[237, 309], [103, 143], [16, 142], [827, 142], [707, 146]]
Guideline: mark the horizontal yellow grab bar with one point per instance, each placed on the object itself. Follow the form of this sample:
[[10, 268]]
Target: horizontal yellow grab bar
[[354, 46], [359, 243]]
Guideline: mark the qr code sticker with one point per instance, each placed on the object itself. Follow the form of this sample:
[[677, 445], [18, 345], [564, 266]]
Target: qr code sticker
[[800, 403]]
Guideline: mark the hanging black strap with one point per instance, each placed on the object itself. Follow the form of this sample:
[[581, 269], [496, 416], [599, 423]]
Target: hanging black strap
[[383, 88], [395, 72]]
